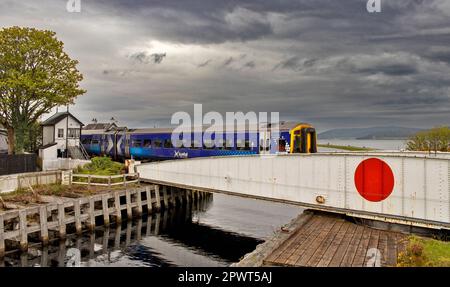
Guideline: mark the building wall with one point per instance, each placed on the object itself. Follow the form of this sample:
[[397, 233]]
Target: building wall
[[49, 153], [47, 134], [3, 143], [61, 141]]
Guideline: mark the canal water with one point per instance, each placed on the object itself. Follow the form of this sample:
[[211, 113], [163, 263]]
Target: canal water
[[217, 231]]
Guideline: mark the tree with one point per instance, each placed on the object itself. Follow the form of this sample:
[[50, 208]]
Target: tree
[[436, 139], [36, 75]]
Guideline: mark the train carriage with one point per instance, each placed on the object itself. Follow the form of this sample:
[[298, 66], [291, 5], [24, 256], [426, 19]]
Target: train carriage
[[156, 143]]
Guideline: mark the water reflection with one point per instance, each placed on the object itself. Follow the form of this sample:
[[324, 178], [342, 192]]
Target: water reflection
[[169, 238]]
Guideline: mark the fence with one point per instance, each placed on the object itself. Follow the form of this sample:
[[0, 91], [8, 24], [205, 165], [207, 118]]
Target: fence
[[63, 163], [19, 163], [105, 180], [9, 183]]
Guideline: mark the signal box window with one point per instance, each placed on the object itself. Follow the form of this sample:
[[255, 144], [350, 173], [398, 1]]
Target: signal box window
[[74, 133], [60, 133]]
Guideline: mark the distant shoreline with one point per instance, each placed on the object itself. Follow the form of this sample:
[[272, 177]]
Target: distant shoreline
[[346, 147]]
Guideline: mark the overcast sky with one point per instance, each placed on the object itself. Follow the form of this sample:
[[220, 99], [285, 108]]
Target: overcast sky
[[327, 62]]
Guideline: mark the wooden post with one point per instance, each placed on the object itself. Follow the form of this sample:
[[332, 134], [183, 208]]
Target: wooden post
[[118, 209], [139, 201], [2, 237], [149, 199], [124, 180], [129, 211], [91, 245], [157, 222], [23, 230], [44, 257], [105, 240], [117, 235], [187, 196], [139, 229], [24, 260], [77, 209], [158, 198], [70, 178], [175, 193], [61, 253], [61, 221], [148, 231], [166, 200], [109, 181], [165, 217], [172, 200], [91, 224], [105, 210], [128, 233], [43, 224], [89, 180]]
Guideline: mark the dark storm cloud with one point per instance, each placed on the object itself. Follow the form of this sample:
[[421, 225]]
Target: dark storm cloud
[[204, 64], [328, 62], [145, 58], [250, 64]]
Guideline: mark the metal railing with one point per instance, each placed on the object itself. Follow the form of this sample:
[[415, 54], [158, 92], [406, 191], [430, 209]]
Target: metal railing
[[84, 152]]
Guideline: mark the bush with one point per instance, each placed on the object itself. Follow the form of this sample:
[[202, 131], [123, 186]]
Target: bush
[[102, 166], [436, 139]]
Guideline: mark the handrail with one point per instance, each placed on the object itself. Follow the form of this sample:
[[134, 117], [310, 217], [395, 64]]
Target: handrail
[[84, 152]]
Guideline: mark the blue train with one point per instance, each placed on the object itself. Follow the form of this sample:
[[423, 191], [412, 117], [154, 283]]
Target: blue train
[[155, 143]]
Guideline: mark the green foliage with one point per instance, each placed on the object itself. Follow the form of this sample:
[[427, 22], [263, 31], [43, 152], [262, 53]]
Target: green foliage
[[436, 139], [425, 252], [102, 166], [36, 75]]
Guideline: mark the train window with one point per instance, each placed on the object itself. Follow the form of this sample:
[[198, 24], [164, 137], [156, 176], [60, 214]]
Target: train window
[[177, 143], [195, 144], [147, 143], [86, 141], [282, 145], [157, 143], [168, 143], [240, 144], [229, 144], [220, 143], [136, 143], [248, 145], [208, 144], [94, 141]]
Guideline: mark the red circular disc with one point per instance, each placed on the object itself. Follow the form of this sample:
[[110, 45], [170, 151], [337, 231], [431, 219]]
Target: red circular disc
[[374, 179]]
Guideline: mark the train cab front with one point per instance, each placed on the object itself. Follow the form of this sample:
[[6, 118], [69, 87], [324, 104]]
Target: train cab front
[[303, 139]]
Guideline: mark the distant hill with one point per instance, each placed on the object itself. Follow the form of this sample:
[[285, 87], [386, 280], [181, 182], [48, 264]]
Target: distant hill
[[369, 133]]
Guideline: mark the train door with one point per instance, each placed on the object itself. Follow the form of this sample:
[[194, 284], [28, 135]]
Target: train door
[[119, 145], [103, 144], [127, 146], [297, 142], [264, 142], [308, 140]]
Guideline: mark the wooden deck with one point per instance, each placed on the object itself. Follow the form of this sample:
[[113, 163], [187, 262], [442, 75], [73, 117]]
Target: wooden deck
[[326, 240]]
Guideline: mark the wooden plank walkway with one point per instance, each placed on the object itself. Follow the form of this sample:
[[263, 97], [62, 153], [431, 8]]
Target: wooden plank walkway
[[331, 241]]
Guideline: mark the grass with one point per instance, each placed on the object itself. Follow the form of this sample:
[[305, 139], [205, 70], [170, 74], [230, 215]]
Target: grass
[[425, 252], [346, 147]]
